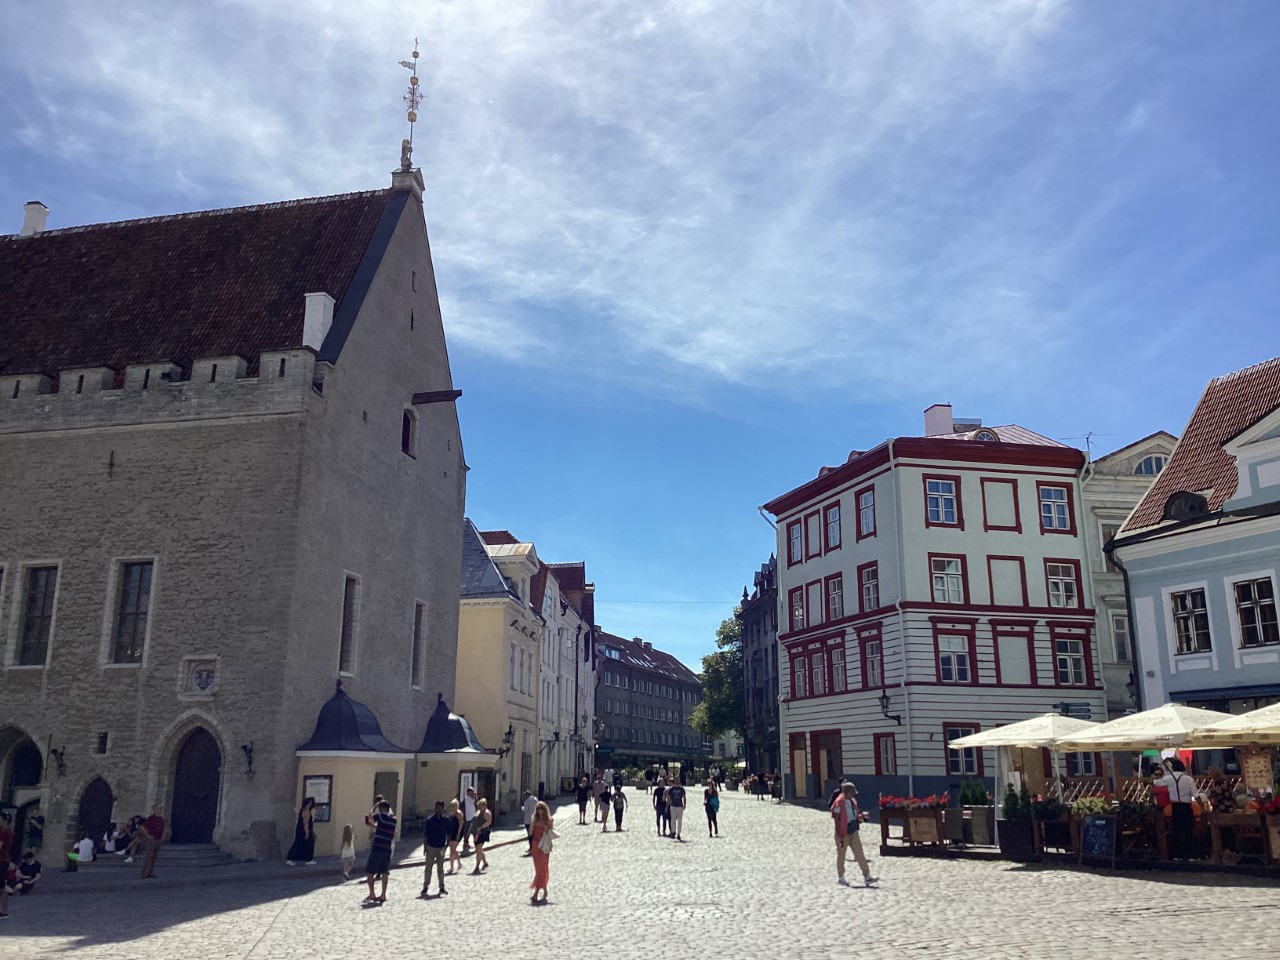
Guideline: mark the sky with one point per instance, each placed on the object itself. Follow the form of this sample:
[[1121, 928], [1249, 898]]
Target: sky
[[689, 252]]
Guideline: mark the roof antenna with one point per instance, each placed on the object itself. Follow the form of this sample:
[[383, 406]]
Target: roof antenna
[[412, 100]]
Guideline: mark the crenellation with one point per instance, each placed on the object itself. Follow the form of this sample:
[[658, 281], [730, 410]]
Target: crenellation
[[155, 393]]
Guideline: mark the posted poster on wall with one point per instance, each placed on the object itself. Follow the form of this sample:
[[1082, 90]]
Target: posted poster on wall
[[1255, 767], [319, 789]]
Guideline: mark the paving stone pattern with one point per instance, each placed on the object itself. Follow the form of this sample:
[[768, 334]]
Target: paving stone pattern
[[765, 889]]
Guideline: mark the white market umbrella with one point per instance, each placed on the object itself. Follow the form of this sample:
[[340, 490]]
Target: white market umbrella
[[1042, 731], [1162, 728], [1258, 726]]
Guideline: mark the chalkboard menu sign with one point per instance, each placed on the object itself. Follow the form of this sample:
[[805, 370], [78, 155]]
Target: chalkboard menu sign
[[1098, 838]]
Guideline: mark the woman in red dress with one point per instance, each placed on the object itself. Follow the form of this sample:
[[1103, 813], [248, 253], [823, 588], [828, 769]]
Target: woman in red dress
[[541, 858]]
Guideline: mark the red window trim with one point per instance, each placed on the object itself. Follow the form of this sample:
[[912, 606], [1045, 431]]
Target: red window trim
[[924, 486], [870, 632], [946, 750], [794, 656], [1072, 631], [964, 577], [1014, 628], [791, 608], [864, 566], [811, 550], [813, 751], [1071, 506], [803, 652], [876, 739], [1017, 508], [966, 626], [857, 512], [1075, 565], [826, 543], [799, 525], [826, 597], [991, 580], [808, 613]]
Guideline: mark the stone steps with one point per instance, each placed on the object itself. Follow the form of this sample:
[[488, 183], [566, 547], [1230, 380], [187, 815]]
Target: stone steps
[[176, 855]]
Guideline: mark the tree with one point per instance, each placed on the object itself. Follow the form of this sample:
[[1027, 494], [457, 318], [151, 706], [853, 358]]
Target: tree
[[722, 708]]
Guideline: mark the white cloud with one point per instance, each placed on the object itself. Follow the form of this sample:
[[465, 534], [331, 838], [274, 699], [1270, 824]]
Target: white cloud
[[746, 193]]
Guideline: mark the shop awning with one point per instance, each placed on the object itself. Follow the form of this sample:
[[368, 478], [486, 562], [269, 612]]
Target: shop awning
[[1042, 731], [1164, 727], [1260, 726]]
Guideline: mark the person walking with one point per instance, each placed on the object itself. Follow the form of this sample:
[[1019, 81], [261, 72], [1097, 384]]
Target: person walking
[[457, 830], [619, 807], [660, 806], [469, 811], [304, 835], [598, 788], [676, 801], [605, 805], [348, 851], [711, 803], [481, 825], [530, 804], [847, 818], [543, 837], [378, 866], [436, 838], [584, 797], [153, 835]]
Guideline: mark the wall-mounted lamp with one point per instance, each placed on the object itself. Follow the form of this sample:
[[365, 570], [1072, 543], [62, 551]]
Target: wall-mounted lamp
[[59, 758], [555, 738], [508, 739], [248, 759], [1131, 685], [884, 708]]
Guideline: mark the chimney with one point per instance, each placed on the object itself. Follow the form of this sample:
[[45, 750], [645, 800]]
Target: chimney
[[937, 420], [34, 215], [317, 320]]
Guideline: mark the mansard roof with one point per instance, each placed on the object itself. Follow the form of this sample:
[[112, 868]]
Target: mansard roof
[[213, 283], [346, 724], [1199, 463], [481, 578]]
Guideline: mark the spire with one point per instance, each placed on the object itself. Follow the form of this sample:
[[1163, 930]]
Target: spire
[[406, 177]]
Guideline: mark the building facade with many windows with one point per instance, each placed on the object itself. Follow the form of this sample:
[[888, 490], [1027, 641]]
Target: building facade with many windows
[[758, 615], [644, 697], [1202, 551], [929, 588]]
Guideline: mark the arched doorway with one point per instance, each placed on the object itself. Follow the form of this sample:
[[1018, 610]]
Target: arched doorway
[[197, 777], [96, 804], [25, 766], [20, 775]]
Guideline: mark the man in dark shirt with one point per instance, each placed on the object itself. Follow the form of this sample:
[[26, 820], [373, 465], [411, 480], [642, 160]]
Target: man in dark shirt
[[27, 874], [675, 801], [437, 838], [153, 828], [660, 804], [379, 863]]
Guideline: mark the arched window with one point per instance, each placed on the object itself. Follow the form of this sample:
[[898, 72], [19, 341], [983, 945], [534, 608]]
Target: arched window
[[409, 434], [1150, 466]]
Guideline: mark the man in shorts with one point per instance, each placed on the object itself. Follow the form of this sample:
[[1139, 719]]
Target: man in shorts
[[379, 864]]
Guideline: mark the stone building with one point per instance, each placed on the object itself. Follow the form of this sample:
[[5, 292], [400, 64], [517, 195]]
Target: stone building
[[758, 615], [232, 474], [645, 697]]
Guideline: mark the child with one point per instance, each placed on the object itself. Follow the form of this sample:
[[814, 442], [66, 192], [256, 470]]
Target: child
[[348, 851]]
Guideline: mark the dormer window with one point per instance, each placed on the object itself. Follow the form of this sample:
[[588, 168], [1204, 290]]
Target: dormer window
[[1150, 466], [1185, 506], [986, 436]]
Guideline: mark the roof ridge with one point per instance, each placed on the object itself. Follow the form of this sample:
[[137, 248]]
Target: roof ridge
[[194, 214], [1244, 371]]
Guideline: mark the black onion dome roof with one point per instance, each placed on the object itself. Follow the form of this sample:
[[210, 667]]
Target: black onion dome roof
[[346, 724], [448, 732]]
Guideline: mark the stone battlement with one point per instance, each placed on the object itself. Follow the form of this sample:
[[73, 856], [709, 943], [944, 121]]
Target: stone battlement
[[158, 391]]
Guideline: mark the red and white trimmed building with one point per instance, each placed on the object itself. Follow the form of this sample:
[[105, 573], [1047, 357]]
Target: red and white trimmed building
[[930, 588]]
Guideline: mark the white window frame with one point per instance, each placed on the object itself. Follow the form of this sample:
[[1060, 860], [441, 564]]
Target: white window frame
[[1192, 613], [1058, 516], [835, 598], [1117, 618], [1071, 582], [874, 659], [951, 581], [1081, 764], [1065, 650], [959, 759], [1235, 603], [936, 496], [867, 513], [871, 586], [953, 654], [1138, 471]]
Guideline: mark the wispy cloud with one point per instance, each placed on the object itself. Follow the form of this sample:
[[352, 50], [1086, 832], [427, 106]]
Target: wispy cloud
[[705, 190]]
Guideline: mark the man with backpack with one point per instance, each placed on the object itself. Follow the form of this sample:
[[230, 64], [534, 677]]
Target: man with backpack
[[676, 801]]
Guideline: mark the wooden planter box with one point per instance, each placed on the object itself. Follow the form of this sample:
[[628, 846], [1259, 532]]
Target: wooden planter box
[[1017, 841], [981, 825], [1056, 834], [891, 815], [925, 826]]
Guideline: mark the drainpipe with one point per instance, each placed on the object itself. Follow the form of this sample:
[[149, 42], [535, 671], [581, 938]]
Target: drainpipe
[[902, 630], [1136, 673]]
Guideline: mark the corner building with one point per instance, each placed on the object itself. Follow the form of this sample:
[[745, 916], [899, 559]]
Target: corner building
[[931, 587], [232, 476]]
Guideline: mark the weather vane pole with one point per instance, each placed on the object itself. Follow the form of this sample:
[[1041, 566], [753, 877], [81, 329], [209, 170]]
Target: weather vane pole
[[412, 100]]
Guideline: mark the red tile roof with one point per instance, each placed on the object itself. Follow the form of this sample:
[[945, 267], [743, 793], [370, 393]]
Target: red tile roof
[[1228, 405], [205, 284]]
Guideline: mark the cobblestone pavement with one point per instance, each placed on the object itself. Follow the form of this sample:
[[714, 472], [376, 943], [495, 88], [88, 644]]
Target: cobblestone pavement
[[765, 889]]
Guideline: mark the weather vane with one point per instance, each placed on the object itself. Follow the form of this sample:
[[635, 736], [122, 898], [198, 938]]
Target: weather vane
[[412, 100]]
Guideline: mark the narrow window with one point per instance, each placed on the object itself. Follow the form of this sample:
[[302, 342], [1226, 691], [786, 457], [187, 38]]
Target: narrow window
[[866, 513], [835, 598], [17, 386], [281, 373], [103, 740], [146, 378], [795, 549], [872, 652], [413, 279], [1256, 607], [838, 680], [1191, 621], [408, 431], [411, 321], [350, 613], [42, 583], [818, 669], [799, 677], [415, 667], [132, 611], [797, 608], [80, 384], [213, 373], [1120, 633], [886, 755], [870, 582], [832, 526]]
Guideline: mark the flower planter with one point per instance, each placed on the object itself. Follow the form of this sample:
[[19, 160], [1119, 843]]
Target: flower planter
[[924, 826], [1017, 841], [956, 826], [981, 825]]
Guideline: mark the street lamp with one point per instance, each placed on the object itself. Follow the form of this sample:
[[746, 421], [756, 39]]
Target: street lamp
[[884, 708]]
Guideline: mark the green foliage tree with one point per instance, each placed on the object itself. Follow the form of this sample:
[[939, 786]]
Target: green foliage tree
[[722, 708]]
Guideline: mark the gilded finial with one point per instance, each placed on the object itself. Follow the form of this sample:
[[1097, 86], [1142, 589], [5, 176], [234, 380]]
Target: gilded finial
[[412, 100]]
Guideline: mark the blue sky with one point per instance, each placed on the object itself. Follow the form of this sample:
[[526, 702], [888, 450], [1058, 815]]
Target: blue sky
[[689, 252]]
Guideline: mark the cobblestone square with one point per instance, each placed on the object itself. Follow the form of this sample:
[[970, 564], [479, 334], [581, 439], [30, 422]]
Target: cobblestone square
[[766, 888]]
